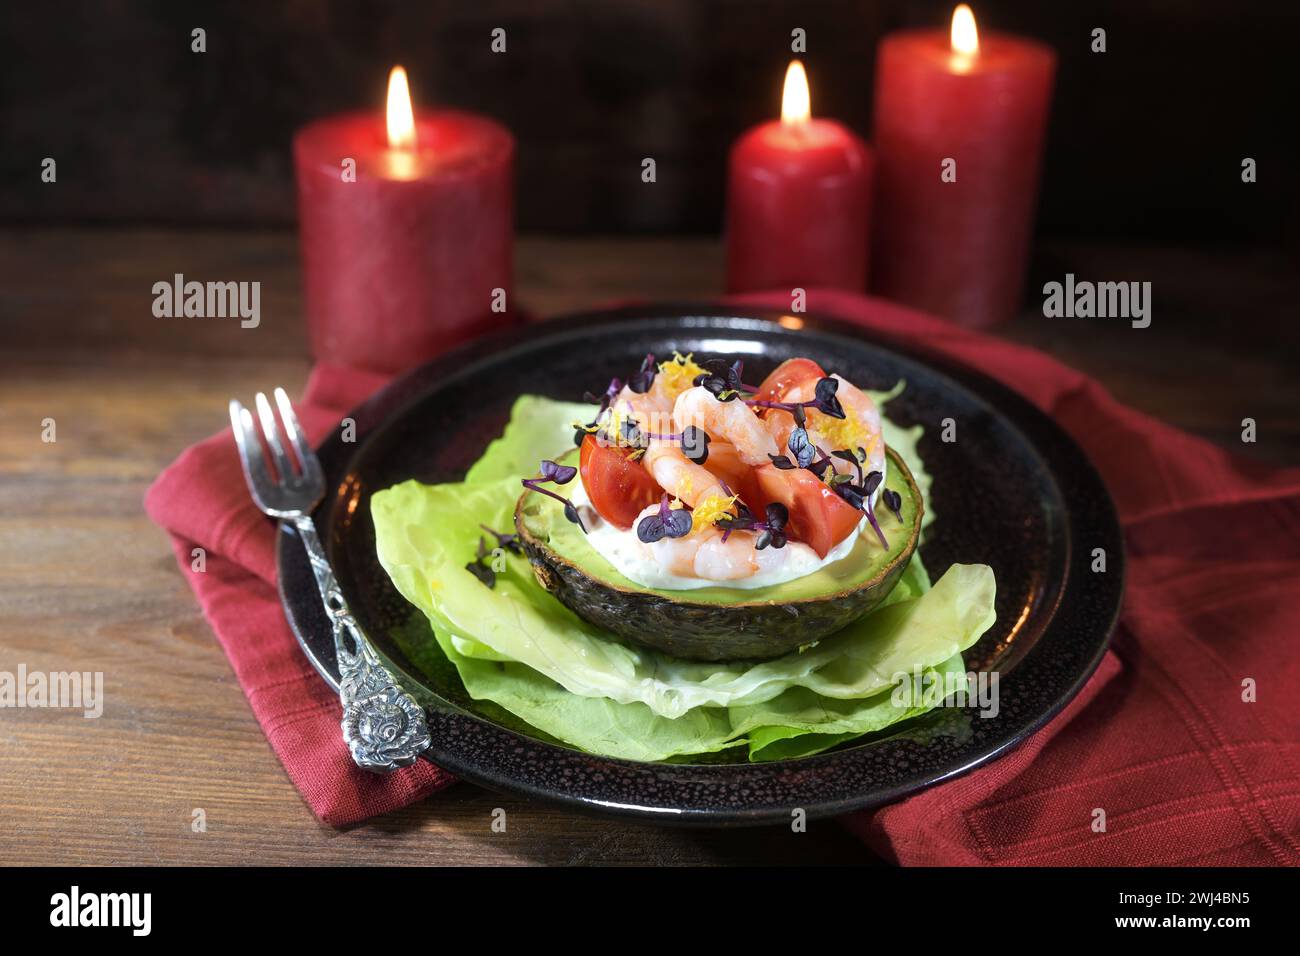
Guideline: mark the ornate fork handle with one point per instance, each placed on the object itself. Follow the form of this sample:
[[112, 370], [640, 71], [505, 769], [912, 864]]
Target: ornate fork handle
[[383, 726]]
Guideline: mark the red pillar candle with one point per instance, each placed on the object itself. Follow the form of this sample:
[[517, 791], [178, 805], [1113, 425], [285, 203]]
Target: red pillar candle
[[958, 249], [406, 230], [798, 201]]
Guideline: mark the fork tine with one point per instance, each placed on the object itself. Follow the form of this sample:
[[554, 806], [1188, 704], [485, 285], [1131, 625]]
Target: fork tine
[[306, 457], [272, 432], [250, 452]]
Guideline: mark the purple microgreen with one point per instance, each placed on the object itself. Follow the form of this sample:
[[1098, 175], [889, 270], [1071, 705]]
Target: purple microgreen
[[694, 441], [741, 520], [801, 447], [482, 571], [571, 513], [695, 444], [859, 495], [853, 494], [650, 529], [820, 466], [611, 392], [718, 389], [645, 376], [782, 462], [796, 409], [826, 402], [630, 434], [871, 516], [508, 541], [845, 455], [667, 522], [765, 403], [894, 502], [678, 523], [480, 567], [778, 515], [771, 531], [560, 474], [721, 380]]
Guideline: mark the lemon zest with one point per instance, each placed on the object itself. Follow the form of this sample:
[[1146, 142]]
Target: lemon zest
[[614, 427], [849, 432], [684, 487], [710, 510], [678, 374]]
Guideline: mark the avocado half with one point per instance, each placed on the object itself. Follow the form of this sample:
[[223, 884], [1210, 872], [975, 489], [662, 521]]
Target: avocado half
[[721, 623]]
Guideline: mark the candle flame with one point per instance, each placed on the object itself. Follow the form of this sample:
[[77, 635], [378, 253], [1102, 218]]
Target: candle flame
[[401, 120], [796, 105], [965, 38]]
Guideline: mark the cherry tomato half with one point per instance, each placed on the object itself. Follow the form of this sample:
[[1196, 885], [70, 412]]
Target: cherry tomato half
[[619, 487], [819, 517], [786, 377], [724, 462]]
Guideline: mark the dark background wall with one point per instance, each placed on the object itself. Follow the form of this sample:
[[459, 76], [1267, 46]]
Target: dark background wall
[[1146, 140]]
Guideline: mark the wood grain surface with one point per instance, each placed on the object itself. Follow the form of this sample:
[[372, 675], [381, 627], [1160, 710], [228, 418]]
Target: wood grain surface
[[87, 583]]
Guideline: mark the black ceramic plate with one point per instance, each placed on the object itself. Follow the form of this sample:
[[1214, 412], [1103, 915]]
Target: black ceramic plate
[[1012, 492]]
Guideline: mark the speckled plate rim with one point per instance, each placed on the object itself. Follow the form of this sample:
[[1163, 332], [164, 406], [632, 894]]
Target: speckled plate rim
[[489, 755]]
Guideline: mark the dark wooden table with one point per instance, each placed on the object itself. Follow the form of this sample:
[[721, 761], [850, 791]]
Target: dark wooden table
[[87, 583]]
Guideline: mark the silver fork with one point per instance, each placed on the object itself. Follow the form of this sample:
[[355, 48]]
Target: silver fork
[[383, 725]]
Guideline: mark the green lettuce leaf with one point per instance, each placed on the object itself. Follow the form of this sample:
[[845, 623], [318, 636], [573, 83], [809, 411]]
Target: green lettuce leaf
[[538, 428], [904, 441], [800, 723], [517, 646], [426, 534]]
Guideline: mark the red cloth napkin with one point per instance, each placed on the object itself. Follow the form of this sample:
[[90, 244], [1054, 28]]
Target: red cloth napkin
[[202, 501], [1160, 738]]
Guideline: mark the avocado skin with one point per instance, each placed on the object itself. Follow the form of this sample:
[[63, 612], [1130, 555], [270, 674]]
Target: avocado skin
[[711, 632]]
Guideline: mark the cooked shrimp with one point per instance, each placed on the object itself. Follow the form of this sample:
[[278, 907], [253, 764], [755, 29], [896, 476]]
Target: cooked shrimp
[[651, 410], [860, 427], [704, 554], [863, 432], [645, 412], [678, 475], [675, 376], [733, 422], [736, 557], [663, 458]]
